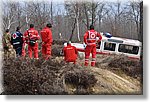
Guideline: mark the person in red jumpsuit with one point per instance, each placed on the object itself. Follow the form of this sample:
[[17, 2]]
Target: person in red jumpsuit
[[70, 53], [24, 48], [33, 35], [47, 39], [90, 41]]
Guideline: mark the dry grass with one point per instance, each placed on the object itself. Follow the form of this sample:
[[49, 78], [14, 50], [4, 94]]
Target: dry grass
[[44, 77], [112, 75]]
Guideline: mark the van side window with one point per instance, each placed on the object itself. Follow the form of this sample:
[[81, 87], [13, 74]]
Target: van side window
[[128, 49], [109, 46], [98, 45]]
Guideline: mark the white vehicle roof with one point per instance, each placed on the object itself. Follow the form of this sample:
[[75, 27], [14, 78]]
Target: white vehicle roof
[[77, 45], [122, 40]]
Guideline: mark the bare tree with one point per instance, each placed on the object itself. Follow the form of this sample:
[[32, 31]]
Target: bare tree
[[115, 14], [51, 11], [135, 12], [9, 14], [102, 12], [75, 17], [74, 9], [141, 22], [90, 11]]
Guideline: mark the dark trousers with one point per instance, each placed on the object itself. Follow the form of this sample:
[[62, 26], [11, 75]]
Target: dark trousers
[[18, 50]]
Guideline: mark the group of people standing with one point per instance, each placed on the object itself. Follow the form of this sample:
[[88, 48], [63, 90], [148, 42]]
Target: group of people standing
[[18, 41]]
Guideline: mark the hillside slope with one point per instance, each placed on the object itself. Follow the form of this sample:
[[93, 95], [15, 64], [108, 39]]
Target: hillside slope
[[56, 77]]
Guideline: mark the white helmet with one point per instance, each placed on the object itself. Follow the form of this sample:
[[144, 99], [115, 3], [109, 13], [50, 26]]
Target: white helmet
[[97, 38]]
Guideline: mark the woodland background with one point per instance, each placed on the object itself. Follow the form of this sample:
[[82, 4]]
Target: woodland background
[[72, 18]]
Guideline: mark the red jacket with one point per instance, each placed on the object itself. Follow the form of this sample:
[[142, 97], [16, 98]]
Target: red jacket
[[70, 53], [90, 37], [46, 35], [32, 33]]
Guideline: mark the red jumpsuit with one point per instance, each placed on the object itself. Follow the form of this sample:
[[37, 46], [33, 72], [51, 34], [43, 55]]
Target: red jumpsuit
[[70, 53], [90, 40], [23, 48], [47, 39], [33, 34]]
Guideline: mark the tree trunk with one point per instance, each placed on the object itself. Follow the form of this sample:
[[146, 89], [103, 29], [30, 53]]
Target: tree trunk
[[86, 15], [78, 30], [140, 36], [72, 31], [51, 12], [100, 23]]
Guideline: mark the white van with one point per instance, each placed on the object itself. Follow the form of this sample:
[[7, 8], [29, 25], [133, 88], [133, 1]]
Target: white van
[[115, 45]]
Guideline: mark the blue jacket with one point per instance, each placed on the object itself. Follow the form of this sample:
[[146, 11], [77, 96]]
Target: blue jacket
[[17, 39]]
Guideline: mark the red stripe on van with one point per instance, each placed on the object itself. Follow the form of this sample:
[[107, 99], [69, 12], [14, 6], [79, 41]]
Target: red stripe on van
[[81, 50], [105, 53], [134, 57], [108, 53]]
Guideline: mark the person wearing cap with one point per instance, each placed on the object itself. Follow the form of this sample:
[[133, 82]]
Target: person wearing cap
[[70, 53], [30, 37], [47, 39], [90, 40], [17, 41]]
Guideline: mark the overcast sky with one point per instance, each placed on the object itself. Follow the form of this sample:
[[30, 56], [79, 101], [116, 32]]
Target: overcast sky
[[61, 1]]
